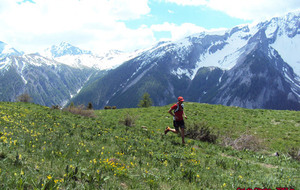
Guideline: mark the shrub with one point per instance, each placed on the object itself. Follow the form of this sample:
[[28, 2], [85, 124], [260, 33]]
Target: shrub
[[55, 107], [2, 155], [114, 107], [80, 110], [200, 131], [107, 107], [128, 120], [24, 98], [245, 142], [295, 153]]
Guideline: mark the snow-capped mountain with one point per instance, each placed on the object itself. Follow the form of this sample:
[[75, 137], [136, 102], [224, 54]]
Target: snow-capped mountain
[[54, 76], [252, 66], [7, 50], [75, 57], [48, 82], [62, 49]]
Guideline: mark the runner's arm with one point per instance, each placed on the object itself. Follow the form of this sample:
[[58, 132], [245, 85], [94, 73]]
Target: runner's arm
[[184, 114], [170, 112]]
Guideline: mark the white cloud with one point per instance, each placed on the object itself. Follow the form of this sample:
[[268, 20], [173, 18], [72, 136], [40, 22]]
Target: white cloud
[[178, 31], [99, 24], [170, 11], [188, 2], [132, 9], [85, 22], [256, 10]]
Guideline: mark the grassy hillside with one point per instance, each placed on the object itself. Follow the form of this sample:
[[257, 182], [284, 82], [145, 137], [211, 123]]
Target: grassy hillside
[[41, 148]]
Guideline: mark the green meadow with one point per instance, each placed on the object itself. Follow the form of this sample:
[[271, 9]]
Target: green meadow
[[44, 148]]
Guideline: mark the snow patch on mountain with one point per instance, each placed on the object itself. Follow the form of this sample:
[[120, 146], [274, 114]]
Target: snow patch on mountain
[[102, 62], [179, 72], [4, 64], [37, 60], [22, 65], [271, 29], [288, 48], [72, 56], [63, 49], [226, 57]]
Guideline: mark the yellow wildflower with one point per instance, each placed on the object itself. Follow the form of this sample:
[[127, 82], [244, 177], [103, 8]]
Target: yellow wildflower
[[166, 162]]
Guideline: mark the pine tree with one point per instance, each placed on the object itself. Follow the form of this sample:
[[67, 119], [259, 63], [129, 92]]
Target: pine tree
[[90, 106], [146, 101]]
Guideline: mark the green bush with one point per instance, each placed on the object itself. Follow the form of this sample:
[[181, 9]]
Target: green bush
[[146, 101]]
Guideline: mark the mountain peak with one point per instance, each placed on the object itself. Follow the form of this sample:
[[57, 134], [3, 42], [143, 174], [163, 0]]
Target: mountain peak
[[64, 48], [7, 50]]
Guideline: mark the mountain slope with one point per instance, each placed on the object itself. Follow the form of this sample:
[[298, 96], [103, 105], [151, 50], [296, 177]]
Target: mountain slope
[[52, 77], [48, 82], [237, 67], [266, 84]]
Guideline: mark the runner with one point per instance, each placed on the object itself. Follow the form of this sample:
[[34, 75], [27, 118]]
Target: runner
[[177, 112]]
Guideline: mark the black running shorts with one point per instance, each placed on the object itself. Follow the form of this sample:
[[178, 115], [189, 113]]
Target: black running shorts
[[178, 124]]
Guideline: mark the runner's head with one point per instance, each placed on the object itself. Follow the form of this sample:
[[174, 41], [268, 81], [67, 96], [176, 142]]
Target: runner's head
[[180, 99]]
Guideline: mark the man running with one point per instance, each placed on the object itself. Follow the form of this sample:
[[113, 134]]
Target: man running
[[178, 121]]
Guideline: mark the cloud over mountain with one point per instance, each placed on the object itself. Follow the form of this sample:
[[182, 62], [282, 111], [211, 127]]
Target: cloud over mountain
[[104, 24]]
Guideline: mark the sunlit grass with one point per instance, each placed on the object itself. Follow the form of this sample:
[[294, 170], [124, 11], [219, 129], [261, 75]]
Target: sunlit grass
[[43, 148]]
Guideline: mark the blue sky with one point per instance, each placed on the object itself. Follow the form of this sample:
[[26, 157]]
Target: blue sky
[[99, 25], [199, 15], [205, 17]]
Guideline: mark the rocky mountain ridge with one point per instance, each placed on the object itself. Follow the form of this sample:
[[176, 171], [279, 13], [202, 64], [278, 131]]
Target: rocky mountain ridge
[[252, 66]]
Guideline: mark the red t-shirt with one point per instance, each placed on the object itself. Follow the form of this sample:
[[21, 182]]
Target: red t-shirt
[[178, 113]]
